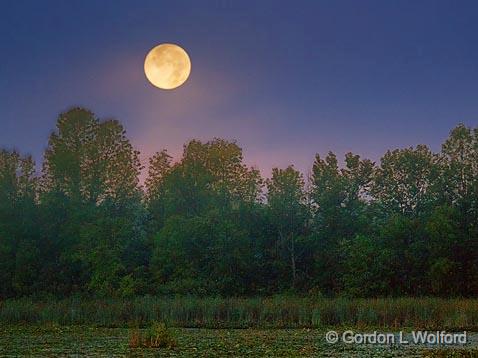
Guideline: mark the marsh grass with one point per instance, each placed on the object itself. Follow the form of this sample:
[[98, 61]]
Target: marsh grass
[[158, 335], [271, 312]]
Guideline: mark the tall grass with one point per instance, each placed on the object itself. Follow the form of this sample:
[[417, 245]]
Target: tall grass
[[272, 312], [158, 335]]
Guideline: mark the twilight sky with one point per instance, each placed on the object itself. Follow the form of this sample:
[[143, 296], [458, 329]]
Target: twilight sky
[[285, 79]]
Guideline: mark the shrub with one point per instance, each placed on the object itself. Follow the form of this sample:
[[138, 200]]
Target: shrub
[[158, 335]]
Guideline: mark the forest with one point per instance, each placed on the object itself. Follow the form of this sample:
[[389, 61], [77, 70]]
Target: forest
[[209, 225]]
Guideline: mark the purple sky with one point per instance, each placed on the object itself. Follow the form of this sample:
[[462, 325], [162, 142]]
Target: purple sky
[[285, 79]]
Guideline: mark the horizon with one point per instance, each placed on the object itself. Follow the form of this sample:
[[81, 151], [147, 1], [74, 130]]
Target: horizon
[[176, 157]]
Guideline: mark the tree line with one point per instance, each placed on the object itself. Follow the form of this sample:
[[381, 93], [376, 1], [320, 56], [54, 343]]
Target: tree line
[[207, 224]]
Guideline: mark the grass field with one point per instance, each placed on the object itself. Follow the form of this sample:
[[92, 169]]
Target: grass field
[[56, 341]]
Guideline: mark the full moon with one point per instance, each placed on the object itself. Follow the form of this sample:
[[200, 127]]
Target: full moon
[[167, 66]]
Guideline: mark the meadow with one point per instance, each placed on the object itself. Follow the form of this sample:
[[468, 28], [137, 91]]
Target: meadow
[[280, 326]]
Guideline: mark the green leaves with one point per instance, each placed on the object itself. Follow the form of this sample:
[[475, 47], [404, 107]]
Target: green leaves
[[205, 224], [407, 180], [89, 160]]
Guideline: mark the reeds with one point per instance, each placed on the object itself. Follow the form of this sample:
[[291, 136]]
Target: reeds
[[272, 312]]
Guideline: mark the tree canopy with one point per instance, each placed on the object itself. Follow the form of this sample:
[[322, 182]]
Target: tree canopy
[[208, 224]]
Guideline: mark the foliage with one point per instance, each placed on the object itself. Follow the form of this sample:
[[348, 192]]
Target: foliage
[[208, 224], [158, 335]]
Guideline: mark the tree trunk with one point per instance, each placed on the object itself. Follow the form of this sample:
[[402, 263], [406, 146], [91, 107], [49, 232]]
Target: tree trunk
[[292, 260]]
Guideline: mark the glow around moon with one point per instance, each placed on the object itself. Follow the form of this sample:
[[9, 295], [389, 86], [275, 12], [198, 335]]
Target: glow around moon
[[167, 66]]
